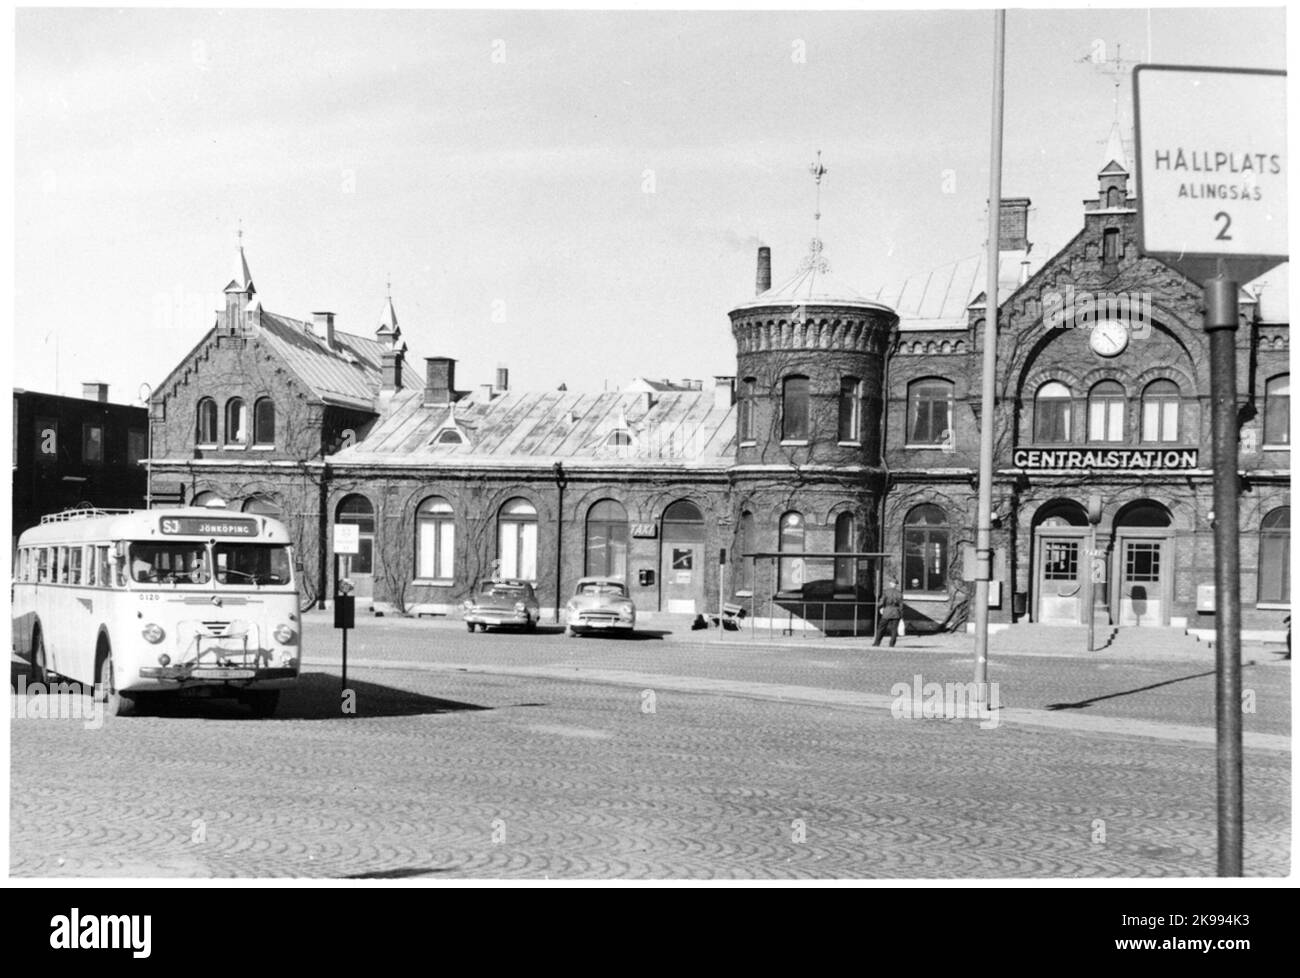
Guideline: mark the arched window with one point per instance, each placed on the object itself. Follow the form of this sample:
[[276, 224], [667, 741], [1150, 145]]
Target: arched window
[[1112, 197], [356, 509], [794, 409], [745, 410], [606, 540], [1052, 413], [845, 542], [1160, 402], [435, 540], [929, 412], [1277, 411], [262, 505], [448, 436], [517, 540], [1106, 412], [206, 424], [618, 438], [791, 540], [264, 421], [926, 548], [850, 409], [1275, 557], [207, 497], [236, 421]]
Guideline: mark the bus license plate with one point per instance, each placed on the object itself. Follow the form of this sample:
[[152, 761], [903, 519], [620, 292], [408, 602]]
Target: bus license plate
[[216, 673]]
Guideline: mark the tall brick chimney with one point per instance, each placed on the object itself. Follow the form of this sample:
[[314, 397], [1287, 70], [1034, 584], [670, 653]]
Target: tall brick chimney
[[440, 380], [503, 379], [1013, 224], [390, 370], [763, 281], [323, 323], [724, 391], [94, 390]]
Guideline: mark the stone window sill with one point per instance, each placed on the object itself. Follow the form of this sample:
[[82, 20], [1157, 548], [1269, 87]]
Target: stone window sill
[[795, 442], [1272, 606], [434, 582]]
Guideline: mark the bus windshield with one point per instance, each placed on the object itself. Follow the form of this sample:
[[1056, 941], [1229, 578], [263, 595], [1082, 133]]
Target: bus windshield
[[251, 563], [169, 563]]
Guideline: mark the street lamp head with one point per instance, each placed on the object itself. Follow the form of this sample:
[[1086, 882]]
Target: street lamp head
[[561, 479]]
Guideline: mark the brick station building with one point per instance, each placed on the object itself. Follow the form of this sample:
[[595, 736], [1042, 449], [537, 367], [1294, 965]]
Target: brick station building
[[849, 427]]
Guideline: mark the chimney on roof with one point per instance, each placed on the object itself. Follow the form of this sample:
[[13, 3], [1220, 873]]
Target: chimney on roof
[[763, 281], [323, 324], [1013, 224], [724, 391], [440, 380], [390, 369], [503, 379], [95, 390]]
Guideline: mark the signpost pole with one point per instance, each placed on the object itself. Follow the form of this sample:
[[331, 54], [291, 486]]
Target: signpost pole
[[1221, 323], [984, 518]]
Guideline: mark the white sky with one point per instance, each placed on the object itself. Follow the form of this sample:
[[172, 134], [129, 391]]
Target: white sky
[[358, 145]]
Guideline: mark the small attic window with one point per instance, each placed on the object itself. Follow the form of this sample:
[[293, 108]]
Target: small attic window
[[619, 438], [448, 436]]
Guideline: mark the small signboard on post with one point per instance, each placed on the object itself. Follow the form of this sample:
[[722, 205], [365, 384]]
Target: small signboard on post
[[1211, 148], [1211, 168], [347, 539]]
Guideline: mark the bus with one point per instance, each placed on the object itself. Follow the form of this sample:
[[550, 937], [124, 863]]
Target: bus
[[148, 604]]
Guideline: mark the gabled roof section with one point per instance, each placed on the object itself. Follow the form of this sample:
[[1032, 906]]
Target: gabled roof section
[[941, 298], [347, 376], [538, 428]]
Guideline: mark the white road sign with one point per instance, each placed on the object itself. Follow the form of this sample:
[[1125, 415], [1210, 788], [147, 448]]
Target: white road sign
[[347, 538], [1211, 168]]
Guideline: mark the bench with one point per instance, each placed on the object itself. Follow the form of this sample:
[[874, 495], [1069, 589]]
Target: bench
[[730, 617]]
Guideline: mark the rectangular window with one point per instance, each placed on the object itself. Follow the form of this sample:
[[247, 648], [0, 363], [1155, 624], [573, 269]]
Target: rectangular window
[[1142, 562], [794, 409], [74, 565], [1052, 421], [1110, 245], [745, 410], [850, 409], [1061, 560], [92, 443], [1277, 412], [1274, 568], [437, 548], [1106, 419], [519, 550], [136, 446], [930, 413], [1160, 420]]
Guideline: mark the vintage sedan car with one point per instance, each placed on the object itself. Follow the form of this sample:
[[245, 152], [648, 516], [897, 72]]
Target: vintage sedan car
[[503, 602], [600, 604]]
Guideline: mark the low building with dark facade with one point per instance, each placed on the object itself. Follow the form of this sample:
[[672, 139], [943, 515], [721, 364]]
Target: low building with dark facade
[[844, 448], [76, 452]]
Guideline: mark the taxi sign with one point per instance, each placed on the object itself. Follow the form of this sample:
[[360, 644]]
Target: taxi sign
[[1211, 168], [347, 538]]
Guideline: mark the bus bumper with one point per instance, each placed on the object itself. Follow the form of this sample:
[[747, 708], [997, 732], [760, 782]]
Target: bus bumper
[[175, 677]]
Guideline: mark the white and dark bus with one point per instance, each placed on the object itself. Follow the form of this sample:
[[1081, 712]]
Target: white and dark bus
[[143, 604]]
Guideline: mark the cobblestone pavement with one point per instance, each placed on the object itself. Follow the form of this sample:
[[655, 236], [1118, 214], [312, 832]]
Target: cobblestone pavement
[[448, 774]]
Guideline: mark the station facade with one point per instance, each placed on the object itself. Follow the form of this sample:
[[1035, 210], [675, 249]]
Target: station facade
[[843, 449]]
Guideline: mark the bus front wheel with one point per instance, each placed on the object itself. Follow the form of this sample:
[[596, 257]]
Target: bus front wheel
[[116, 703]]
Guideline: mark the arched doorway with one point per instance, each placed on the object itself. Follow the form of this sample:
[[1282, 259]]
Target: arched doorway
[[1060, 562], [1142, 565], [359, 567], [681, 559]]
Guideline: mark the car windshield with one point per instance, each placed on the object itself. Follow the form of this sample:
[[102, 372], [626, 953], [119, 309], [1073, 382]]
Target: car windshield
[[170, 563], [496, 589], [602, 587], [251, 563]]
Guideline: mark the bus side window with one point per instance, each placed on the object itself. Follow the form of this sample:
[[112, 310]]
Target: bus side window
[[74, 565], [102, 572], [60, 565], [89, 566], [43, 564]]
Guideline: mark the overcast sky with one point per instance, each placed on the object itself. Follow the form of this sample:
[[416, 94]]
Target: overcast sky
[[575, 195]]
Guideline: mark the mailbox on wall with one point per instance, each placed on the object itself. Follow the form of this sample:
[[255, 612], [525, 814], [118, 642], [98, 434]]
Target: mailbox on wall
[[645, 577], [1205, 597]]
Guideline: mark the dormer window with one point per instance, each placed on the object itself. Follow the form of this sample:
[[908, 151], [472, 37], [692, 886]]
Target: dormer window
[[448, 436], [618, 438]]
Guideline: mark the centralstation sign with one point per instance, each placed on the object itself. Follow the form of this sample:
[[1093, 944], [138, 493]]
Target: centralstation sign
[[1125, 459], [1211, 168]]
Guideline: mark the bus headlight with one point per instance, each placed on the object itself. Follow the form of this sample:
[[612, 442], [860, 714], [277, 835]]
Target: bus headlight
[[164, 660], [626, 612], [153, 633], [520, 607], [284, 634]]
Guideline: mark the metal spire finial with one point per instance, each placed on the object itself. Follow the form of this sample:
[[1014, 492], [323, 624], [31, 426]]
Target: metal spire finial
[[814, 260]]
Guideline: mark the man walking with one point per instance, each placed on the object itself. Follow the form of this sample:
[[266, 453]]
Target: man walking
[[891, 611]]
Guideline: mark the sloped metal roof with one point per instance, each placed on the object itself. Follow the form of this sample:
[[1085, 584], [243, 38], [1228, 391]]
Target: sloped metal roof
[[939, 299], [348, 376], [540, 427]]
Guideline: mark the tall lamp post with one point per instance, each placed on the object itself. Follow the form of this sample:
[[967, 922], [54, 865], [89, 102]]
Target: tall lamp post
[[146, 395], [561, 480]]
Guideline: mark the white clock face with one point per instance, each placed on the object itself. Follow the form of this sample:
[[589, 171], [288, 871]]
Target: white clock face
[[1109, 337]]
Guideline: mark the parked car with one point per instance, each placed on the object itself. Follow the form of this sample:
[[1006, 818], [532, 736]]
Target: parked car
[[600, 604], [499, 602]]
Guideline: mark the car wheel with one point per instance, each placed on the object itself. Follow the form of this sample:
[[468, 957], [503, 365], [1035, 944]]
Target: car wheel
[[532, 625], [469, 625]]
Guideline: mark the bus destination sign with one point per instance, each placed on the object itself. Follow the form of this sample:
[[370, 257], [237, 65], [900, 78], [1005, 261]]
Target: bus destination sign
[[203, 526]]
